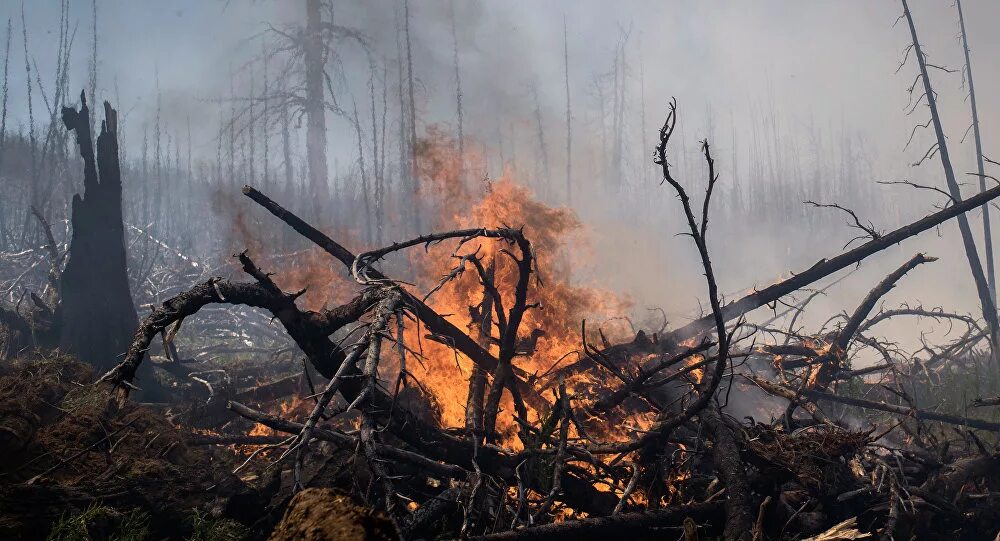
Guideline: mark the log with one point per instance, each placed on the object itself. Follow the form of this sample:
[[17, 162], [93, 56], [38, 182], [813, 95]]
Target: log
[[233, 439], [620, 526], [954, 476], [826, 267], [901, 410]]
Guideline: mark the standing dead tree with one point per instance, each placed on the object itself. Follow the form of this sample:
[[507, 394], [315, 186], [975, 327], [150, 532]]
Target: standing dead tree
[[569, 117], [975, 264], [314, 59], [987, 232]]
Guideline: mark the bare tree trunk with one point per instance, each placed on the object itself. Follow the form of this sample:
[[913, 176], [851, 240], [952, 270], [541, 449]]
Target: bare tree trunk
[[378, 153], [144, 191], [232, 128], [983, 289], [414, 207], [266, 134], [642, 115], [542, 147], [286, 148], [458, 96], [620, 85], [601, 97], [569, 126], [31, 116], [987, 233], [612, 174], [251, 132], [477, 381], [189, 171], [375, 209], [404, 144], [365, 193], [314, 49]]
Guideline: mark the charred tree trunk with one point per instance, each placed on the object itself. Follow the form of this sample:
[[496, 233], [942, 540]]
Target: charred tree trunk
[[96, 316], [314, 55]]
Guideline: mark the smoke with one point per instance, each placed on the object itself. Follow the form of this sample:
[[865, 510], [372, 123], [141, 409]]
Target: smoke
[[800, 100]]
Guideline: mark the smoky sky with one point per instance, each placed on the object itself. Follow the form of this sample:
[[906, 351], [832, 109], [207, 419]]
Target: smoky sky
[[823, 66], [824, 62]]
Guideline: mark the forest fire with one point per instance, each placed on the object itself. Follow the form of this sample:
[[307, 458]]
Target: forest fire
[[416, 325], [551, 327]]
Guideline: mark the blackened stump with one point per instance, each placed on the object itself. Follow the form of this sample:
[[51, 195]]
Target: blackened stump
[[97, 315]]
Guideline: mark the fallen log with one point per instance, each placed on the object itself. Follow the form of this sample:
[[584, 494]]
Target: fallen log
[[954, 476], [826, 267], [233, 439], [622, 526], [901, 410]]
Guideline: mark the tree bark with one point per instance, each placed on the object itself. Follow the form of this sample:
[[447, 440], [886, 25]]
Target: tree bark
[[726, 456]]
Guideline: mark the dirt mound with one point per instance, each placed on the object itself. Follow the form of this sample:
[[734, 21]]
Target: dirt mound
[[72, 462], [319, 514]]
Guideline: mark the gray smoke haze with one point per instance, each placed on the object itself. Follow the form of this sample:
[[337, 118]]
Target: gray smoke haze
[[788, 81]]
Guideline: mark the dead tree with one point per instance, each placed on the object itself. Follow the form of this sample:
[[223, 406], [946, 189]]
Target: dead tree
[[569, 125], [726, 455], [314, 58], [458, 92], [987, 232], [411, 124], [975, 264], [96, 316]]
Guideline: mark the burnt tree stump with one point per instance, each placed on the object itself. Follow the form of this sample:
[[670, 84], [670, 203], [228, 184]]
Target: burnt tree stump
[[96, 316]]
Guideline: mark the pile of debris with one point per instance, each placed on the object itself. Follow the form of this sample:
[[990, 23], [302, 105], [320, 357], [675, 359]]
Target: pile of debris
[[634, 438]]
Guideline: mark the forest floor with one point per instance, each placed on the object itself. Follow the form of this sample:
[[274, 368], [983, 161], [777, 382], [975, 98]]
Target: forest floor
[[75, 469]]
